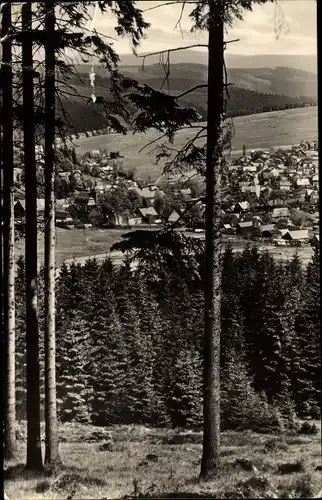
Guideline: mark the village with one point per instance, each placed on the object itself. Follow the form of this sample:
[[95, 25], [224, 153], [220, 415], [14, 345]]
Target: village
[[272, 196]]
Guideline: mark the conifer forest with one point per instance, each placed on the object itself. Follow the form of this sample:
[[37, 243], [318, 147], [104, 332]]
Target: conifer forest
[[192, 367]]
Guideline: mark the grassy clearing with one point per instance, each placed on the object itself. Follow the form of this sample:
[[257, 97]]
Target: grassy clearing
[[142, 461], [264, 130], [75, 243]]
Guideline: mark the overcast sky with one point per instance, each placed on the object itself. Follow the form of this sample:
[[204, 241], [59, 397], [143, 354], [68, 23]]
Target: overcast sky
[[256, 32]]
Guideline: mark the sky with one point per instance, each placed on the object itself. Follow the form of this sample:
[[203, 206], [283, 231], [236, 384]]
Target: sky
[[256, 32]]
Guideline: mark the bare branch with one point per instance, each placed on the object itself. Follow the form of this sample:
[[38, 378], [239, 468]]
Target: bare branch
[[201, 86], [152, 142], [169, 3], [168, 51], [178, 23]]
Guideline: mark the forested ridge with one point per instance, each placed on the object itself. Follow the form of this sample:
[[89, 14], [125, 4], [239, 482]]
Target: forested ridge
[[129, 343], [242, 101]]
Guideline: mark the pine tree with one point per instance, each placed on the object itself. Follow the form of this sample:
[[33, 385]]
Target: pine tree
[[52, 457], [73, 380], [185, 392], [34, 456], [308, 331], [8, 236]]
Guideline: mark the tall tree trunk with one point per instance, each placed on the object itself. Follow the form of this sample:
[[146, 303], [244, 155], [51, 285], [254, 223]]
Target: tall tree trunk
[[34, 456], [8, 240], [211, 376], [52, 457]]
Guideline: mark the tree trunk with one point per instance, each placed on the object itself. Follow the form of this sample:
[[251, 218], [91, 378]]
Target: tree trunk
[[8, 241], [211, 376], [34, 456], [52, 457]]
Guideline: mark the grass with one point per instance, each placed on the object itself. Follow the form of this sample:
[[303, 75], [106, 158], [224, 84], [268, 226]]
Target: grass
[[142, 462], [76, 244], [264, 130]]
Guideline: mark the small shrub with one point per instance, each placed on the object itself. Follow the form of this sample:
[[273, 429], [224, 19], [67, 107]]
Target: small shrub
[[98, 436], [42, 486], [273, 445], [316, 413], [254, 487], [289, 468], [308, 429], [108, 446], [304, 487]]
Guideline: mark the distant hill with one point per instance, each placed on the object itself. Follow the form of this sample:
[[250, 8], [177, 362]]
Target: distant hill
[[303, 62], [255, 90]]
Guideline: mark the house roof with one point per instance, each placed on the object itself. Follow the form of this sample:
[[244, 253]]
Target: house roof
[[94, 213], [60, 204], [174, 216], [83, 195], [148, 211], [244, 205], [22, 203], [267, 227], [300, 234], [41, 204], [280, 212], [303, 182], [245, 224], [146, 192]]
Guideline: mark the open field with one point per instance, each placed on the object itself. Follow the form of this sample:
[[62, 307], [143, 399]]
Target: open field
[[124, 467], [264, 130], [80, 245]]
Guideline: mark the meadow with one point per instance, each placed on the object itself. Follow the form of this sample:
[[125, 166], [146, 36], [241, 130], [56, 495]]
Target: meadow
[[79, 244], [263, 130], [140, 462]]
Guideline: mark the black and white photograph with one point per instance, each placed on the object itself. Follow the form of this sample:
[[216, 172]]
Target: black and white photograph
[[160, 249]]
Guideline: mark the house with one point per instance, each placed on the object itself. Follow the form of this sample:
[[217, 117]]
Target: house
[[280, 212], [255, 189], [19, 209], [99, 186], [300, 235], [40, 207], [84, 200], [299, 195], [313, 197], [285, 185], [94, 216], [149, 215], [173, 217], [282, 223], [274, 173], [118, 219], [268, 231], [62, 204], [315, 180], [147, 193], [244, 228], [241, 206], [303, 182], [249, 168], [62, 210], [228, 229], [234, 219]]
